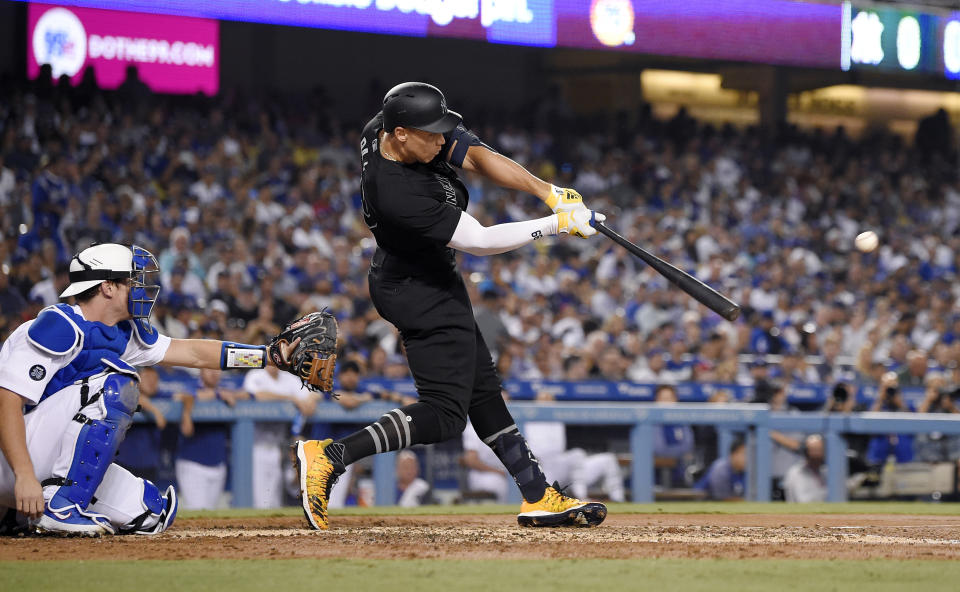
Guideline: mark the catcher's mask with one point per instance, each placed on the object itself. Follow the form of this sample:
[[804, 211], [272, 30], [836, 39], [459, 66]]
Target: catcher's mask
[[146, 284], [113, 262]]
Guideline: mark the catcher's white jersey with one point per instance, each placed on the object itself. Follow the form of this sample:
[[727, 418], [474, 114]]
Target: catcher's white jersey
[[60, 348], [51, 361]]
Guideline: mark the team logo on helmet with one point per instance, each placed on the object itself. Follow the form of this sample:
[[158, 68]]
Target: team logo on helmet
[[60, 40], [37, 372]]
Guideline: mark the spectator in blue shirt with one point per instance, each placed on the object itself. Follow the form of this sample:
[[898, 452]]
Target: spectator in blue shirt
[[899, 446], [765, 337], [201, 463], [141, 448], [726, 477], [672, 444]]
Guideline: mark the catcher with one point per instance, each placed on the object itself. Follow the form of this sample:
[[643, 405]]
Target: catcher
[[69, 389]]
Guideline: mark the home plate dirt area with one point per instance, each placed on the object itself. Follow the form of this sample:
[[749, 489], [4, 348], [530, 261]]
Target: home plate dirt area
[[789, 536]]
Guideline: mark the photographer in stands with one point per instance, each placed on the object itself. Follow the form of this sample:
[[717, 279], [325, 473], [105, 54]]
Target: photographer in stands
[[843, 399], [899, 446], [934, 446]]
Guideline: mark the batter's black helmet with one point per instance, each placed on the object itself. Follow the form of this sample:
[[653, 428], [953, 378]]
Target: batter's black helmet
[[418, 105]]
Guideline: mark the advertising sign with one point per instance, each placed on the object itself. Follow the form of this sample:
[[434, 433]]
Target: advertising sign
[[172, 54]]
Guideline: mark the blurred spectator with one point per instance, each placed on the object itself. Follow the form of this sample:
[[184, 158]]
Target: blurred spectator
[[271, 438], [179, 252], [610, 364], [47, 291], [487, 314], [726, 477], [672, 444], [915, 372], [485, 472], [793, 368], [935, 446], [934, 134], [50, 193], [201, 464], [705, 436], [679, 364], [12, 301], [8, 182], [805, 481], [142, 448], [652, 370], [412, 491], [895, 446], [786, 445], [174, 294], [843, 399], [765, 338], [572, 467]]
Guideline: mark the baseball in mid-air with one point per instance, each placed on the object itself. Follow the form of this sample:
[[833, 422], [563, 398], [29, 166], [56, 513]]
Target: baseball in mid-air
[[866, 241]]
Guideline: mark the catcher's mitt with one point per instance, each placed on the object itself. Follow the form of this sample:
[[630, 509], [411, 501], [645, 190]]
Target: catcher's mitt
[[315, 355]]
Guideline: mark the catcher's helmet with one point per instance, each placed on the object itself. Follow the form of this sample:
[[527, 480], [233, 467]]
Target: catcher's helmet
[[111, 262], [418, 105]]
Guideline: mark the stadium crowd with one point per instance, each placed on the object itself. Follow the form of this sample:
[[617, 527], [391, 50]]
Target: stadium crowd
[[252, 205]]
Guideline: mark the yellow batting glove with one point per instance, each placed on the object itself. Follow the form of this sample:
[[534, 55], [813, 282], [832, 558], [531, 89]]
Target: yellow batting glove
[[579, 222], [564, 200]]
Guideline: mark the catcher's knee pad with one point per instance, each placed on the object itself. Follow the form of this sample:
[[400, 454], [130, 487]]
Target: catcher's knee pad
[[97, 443]]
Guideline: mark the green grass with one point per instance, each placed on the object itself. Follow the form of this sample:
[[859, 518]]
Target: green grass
[[687, 575], [654, 508]]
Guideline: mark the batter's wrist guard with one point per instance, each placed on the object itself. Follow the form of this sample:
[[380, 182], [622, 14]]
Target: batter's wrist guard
[[242, 356]]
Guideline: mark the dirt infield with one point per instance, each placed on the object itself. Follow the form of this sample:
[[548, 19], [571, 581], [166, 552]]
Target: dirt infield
[[821, 536]]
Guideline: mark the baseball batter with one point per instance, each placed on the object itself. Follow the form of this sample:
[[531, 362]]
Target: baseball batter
[[415, 205], [68, 392]]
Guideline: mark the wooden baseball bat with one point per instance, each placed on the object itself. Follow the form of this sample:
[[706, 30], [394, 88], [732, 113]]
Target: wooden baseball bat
[[706, 295]]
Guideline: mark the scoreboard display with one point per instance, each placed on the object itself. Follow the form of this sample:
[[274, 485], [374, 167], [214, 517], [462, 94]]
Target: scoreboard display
[[899, 40]]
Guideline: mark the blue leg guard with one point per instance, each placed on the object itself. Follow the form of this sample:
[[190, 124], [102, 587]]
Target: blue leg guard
[[95, 449], [160, 512], [134, 505]]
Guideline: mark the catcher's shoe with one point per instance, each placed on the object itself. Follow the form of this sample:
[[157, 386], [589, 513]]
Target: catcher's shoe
[[557, 509], [317, 475], [72, 521]]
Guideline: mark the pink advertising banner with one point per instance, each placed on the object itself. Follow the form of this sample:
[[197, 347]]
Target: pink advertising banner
[[173, 54]]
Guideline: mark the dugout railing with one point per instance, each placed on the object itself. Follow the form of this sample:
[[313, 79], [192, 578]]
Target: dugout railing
[[753, 420]]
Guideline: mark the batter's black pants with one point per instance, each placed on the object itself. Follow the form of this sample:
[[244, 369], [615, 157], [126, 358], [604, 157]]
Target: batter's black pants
[[449, 361]]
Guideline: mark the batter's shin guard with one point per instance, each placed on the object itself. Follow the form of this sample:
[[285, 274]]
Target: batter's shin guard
[[512, 450], [95, 449]]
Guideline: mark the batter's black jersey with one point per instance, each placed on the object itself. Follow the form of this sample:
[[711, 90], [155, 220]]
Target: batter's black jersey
[[412, 209]]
